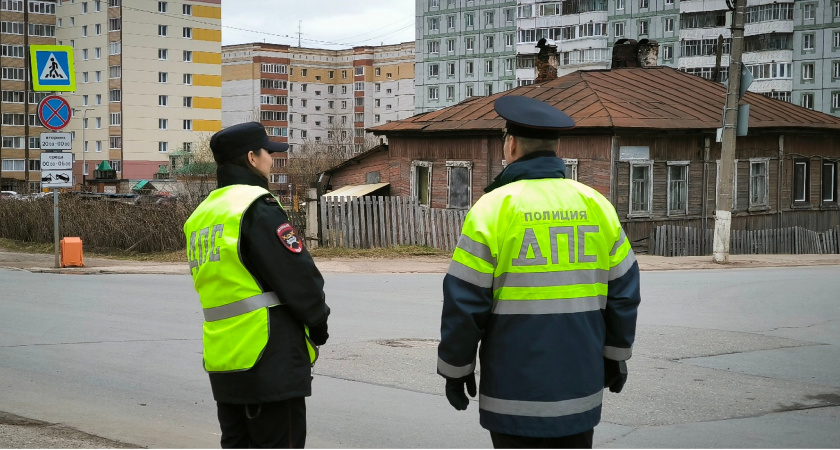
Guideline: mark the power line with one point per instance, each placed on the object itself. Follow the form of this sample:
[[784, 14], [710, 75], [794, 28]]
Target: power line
[[350, 44]]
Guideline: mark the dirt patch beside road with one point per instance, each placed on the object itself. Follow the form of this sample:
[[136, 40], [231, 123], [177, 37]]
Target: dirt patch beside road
[[19, 432]]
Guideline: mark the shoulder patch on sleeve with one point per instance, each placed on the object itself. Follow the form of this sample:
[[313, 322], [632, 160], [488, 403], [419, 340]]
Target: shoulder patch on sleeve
[[289, 238], [271, 200]]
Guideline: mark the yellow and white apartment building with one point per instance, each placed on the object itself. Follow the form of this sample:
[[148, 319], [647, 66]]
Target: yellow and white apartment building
[[148, 77], [309, 95], [20, 165]]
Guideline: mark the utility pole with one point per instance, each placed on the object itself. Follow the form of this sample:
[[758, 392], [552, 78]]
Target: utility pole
[[723, 214]]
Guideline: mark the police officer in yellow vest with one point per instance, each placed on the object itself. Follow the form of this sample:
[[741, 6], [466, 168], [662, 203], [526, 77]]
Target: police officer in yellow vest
[[544, 278], [262, 296]]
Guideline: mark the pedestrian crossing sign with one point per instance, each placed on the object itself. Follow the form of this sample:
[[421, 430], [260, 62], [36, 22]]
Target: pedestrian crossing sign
[[52, 68]]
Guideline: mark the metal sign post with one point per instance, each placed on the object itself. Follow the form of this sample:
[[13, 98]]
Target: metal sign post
[[56, 172]]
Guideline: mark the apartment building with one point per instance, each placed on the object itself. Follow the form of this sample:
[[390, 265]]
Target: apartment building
[[792, 48], [463, 48], [316, 96], [22, 23], [148, 81]]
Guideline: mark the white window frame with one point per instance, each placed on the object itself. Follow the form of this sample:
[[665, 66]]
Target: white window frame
[[833, 181], [462, 164], [414, 193], [765, 202], [571, 168], [649, 210], [797, 163], [686, 165]]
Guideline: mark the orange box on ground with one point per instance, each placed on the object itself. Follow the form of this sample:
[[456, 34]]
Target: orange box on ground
[[71, 252]]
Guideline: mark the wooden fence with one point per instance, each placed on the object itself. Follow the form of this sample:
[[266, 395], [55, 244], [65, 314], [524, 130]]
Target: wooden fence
[[365, 222], [670, 240]]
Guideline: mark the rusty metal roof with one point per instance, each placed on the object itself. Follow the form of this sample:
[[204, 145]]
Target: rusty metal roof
[[653, 98]]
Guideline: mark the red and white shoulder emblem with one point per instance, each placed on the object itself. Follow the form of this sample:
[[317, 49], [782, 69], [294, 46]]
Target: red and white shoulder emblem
[[289, 238]]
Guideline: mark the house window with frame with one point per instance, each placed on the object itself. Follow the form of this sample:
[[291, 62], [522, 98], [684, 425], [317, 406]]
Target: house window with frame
[[434, 70], [469, 68], [618, 29], [434, 23], [807, 71], [450, 22], [433, 93], [758, 183], [620, 4], [641, 188], [450, 93], [809, 11], [163, 147], [644, 4], [808, 100], [801, 181], [808, 42], [434, 47], [644, 27], [459, 184], [571, 168], [421, 182], [469, 43], [678, 188], [163, 30], [488, 42], [668, 24], [667, 52], [835, 100], [829, 182], [469, 20]]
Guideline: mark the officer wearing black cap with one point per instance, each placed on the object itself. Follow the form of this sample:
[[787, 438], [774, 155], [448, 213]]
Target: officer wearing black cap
[[261, 294], [544, 278]]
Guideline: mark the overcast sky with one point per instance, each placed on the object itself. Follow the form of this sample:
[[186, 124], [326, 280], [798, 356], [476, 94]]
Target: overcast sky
[[329, 24]]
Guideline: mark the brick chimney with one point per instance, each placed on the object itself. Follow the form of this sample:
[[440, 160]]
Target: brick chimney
[[546, 61], [629, 53]]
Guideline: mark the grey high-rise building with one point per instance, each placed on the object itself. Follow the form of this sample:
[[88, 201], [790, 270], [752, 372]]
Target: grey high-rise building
[[463, 48], [792, 48]]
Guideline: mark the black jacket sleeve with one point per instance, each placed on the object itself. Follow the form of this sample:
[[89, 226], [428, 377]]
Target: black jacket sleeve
[[292, 276]]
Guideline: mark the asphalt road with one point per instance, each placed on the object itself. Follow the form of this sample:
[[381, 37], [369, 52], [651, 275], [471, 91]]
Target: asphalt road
[[724, 358]]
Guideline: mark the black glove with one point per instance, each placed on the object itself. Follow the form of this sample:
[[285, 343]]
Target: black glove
[[455, 391], [615, 374], [318, 334]]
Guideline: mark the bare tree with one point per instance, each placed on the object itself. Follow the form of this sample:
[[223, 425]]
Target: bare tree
[[315, 157], [195, 168]]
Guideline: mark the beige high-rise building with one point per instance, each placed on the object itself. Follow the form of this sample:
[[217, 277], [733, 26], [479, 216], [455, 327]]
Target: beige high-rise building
[[148, 77], [20, 168], [309, 95]]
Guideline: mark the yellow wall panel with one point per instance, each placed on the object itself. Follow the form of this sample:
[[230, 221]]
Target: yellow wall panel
[[207, 125], [207, 57], [207, 80], [207, 102], [211, 12], [203, 34]]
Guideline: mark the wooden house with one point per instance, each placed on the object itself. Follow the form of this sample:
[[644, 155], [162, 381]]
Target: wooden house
[[645, 137]]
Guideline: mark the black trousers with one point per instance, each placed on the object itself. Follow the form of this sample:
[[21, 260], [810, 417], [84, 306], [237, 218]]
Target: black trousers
[[581, 440], [265, 425]]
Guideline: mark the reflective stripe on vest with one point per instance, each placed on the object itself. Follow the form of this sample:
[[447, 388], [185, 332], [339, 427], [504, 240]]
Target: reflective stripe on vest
[[240, 307]]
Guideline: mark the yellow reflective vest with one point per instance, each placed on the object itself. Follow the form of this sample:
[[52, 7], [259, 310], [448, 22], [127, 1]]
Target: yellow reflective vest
[[235, 306]]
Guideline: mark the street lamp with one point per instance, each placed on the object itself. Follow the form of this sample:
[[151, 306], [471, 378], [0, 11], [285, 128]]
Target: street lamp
[[84, 142]]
